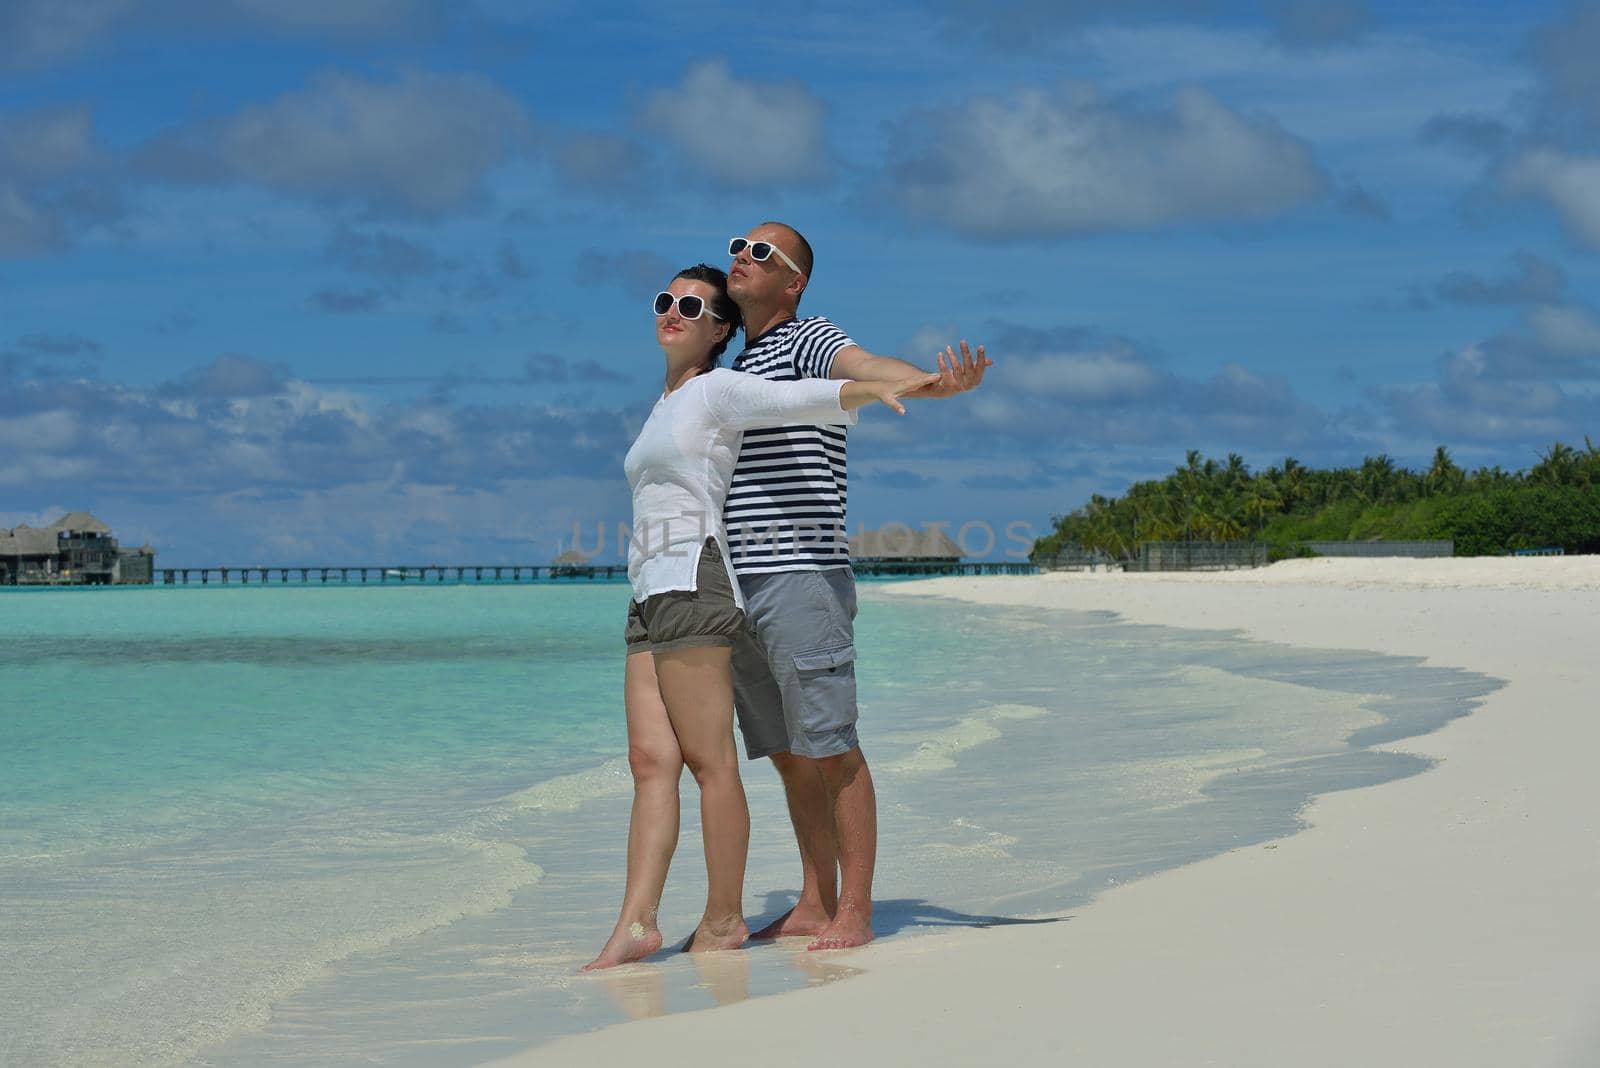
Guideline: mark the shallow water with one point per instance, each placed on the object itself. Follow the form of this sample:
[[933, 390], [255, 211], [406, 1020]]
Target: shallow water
[[305, 826]]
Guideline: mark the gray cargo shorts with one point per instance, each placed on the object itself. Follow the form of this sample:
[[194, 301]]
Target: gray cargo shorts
[[794, 671]]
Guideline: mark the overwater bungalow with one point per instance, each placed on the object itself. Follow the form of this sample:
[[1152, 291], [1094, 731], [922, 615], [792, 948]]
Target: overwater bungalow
[[75, 550], [899, 550]]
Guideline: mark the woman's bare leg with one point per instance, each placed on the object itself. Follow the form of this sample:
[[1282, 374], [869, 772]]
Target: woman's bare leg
[[657, 765], [697, 685]]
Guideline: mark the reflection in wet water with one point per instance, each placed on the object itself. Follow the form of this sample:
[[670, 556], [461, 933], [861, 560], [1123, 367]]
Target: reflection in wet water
[[818, 968], [640, 990], [726, 976]]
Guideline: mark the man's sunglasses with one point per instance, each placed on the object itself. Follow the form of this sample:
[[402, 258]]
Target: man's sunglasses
[[689, 305], [761, 251]]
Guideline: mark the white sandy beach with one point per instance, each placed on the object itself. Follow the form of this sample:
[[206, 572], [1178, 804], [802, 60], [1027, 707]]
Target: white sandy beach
[[1448, 918]]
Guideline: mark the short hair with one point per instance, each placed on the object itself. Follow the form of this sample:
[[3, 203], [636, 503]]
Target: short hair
[[803, 254], [722, 305]]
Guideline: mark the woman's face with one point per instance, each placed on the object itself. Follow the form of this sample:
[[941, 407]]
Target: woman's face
[[678, 334]]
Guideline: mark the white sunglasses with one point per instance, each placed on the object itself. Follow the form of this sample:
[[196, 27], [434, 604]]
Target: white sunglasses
[[689, 306], [761, 251]]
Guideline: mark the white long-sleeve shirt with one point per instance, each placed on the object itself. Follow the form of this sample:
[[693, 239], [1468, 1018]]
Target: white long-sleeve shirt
[[682, 462]]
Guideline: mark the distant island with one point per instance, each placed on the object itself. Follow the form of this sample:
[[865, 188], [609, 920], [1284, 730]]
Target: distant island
[[1553, 505]]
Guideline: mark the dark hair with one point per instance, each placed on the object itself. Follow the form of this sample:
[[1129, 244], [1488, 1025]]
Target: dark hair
[[722, 305]]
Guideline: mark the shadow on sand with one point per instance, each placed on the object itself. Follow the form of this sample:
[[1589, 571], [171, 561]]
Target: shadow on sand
[[641, 990], [895, 914]]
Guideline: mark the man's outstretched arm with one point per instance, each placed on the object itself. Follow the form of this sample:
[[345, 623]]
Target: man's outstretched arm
[[957, 374]]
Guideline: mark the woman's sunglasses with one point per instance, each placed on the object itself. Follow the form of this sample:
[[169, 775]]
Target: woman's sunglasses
[[761, 251], [689, 306]]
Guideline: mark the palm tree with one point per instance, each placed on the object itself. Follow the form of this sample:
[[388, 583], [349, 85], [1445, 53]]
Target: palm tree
[[1444, 476], [1236, 473], [1589, 463], [1225, 520], [1377, 479], [1557, 467], [1293, 484], [1261, 499], [1486, 477]]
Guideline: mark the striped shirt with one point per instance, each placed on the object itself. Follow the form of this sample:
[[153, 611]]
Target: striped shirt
[[785, 509]]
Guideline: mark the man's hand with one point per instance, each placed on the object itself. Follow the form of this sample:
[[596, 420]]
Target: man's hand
[[956, 375]]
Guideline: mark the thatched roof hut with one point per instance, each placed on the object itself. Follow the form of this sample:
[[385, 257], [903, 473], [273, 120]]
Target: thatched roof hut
[[26, 541], [899, 542], [79, 523]]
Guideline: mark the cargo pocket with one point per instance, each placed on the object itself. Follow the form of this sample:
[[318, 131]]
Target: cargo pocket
[[827, 679]]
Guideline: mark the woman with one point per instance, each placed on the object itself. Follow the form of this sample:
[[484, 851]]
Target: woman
[[678, 686]]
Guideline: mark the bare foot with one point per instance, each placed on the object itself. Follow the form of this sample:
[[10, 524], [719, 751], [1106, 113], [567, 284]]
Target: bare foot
[[849, 928], [726, 933], [801, 920], [630, 942]]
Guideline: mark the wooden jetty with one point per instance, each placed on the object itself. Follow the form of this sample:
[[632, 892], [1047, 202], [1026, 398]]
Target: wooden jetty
[[414, 574], [378, 575], [928, 569]]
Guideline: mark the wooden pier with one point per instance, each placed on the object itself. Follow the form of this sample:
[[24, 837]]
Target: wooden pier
[[457, 574], [896, 568], [379, 575]]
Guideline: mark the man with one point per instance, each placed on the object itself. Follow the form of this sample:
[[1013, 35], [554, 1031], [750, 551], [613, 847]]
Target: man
[[794, 667]]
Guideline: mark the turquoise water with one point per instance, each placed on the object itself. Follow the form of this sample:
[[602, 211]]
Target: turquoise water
[[306, 826]]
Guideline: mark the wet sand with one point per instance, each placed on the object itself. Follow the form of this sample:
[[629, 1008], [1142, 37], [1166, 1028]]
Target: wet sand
[[1445, 918]]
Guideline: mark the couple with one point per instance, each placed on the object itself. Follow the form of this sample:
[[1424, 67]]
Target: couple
[[743, 594]]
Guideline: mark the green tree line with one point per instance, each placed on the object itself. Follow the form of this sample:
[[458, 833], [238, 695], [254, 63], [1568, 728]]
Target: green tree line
[[1485, 511]]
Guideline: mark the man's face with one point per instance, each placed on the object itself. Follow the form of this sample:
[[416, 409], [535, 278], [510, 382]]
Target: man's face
[[750, 282]]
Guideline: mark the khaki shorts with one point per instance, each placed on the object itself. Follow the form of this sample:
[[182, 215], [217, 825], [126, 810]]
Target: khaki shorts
[[705, 615]]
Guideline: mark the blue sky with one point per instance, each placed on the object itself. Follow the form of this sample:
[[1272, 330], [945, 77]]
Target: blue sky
[[366, 281]]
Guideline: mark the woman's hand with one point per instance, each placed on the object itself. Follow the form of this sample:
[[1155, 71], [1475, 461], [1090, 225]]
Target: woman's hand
[[858, 394]]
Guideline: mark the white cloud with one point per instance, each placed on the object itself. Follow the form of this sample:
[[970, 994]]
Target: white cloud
[[41, 433], [1548, 153], [1099, 377], [25, 226], [1532, 280], [1070, 161], [321, 18], [927, 341], [1570, 184], [46, 143], [1566, 330], [1314, 24], [742, 134], [238, 421], [47, 157], [421, 145], [1564, 53], [40, 33], [41, 517], [37, 33], [1473, 401], [1072, 386], [1361, 106], [1030, 24]]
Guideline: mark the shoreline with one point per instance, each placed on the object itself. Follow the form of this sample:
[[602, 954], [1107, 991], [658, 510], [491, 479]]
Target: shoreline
[[1446, 917]]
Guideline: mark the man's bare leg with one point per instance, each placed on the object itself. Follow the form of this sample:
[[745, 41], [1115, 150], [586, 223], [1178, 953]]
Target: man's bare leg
[[809, 811], [854, 805]]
